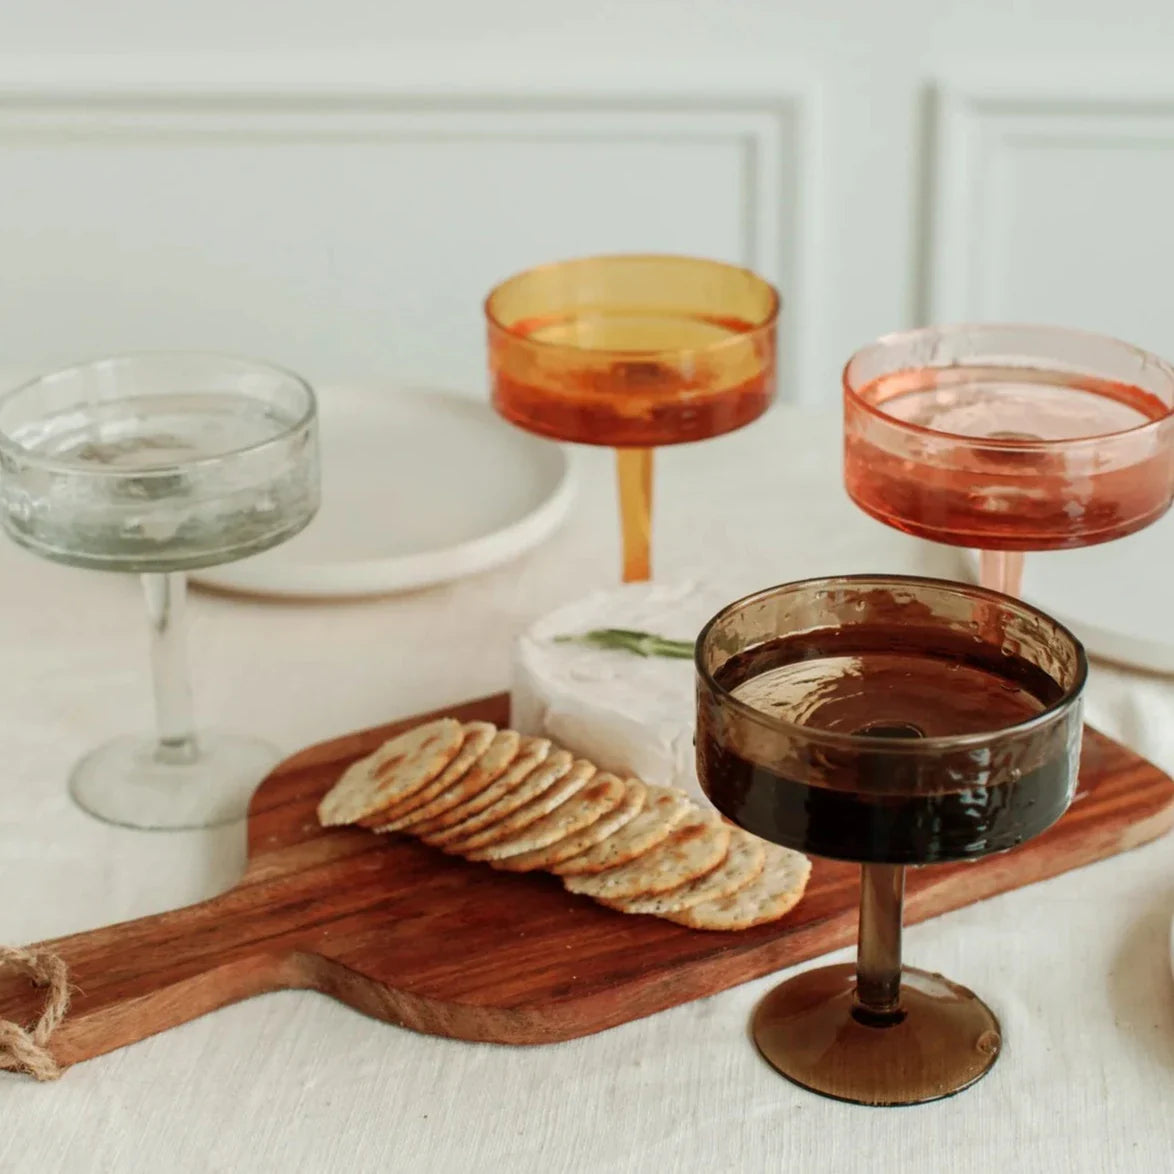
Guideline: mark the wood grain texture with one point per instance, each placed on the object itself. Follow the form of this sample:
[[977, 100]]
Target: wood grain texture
[[409, 935]]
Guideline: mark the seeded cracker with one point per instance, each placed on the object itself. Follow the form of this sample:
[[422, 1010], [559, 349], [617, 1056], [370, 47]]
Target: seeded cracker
[[555, 795], [572, 845], [488, 781], [744, 862], [693, 848], [664, 808], [776, 891], [399, 768], [478, 737], [601, 794], [524, 788]]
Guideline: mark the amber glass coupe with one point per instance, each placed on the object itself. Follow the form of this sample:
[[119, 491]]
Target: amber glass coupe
[[891, 721], [1009, 438], [633, 352]]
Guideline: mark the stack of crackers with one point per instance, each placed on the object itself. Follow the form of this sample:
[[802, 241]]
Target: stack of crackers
[[521, 804]]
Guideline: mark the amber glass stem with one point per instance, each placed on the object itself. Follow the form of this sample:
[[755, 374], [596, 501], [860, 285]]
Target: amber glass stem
[[1001, 570], [634, 474], [878, 949]]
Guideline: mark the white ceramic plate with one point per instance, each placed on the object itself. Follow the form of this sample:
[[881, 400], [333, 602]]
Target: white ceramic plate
[[1115, 596], [419, 486]]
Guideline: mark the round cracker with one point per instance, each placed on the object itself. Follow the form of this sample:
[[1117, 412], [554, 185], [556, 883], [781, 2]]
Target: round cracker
[[664, 808], [550, 797], [694, 848], [485, 754], [523, 789], [775, 892], [478, 737], [501, 770], [572, 845], [600, 794], [744, 862], [399, 768]]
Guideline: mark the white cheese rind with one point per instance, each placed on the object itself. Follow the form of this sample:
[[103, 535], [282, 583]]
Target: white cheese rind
[[626, 713]]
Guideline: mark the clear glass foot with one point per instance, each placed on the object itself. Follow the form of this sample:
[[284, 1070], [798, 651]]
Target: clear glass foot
[[131, 781], [940, 1039]]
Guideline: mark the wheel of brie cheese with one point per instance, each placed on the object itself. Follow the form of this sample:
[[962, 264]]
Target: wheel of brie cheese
[[627, 713]]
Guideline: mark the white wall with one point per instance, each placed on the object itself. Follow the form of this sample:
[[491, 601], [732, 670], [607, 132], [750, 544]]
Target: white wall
[[336, 185]]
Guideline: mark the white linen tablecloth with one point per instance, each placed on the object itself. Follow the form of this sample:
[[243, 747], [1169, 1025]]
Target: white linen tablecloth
[[1077, 968]]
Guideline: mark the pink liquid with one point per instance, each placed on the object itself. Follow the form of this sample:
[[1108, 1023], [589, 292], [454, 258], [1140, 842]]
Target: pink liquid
[[947, 485]]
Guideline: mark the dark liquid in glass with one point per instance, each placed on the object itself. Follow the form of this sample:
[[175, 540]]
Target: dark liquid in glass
[[894, 682]]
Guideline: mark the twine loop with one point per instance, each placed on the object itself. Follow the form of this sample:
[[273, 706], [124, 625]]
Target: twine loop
[[27, 1049]]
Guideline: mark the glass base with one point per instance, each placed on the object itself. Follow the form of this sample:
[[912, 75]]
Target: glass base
[[127, 782], [943, 1039]]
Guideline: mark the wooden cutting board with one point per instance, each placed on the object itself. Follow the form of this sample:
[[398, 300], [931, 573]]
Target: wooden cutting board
[[420, 939]]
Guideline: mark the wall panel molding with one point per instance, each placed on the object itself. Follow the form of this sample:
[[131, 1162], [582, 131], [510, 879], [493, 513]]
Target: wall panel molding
[[983, 131], [63, 105]]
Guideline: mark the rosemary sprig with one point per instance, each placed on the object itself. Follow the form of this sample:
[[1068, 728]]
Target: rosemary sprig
[[627, 640]]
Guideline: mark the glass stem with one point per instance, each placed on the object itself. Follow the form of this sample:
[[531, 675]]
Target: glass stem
[[166, 596], [634, 477], [1001, 570], [878, 950]]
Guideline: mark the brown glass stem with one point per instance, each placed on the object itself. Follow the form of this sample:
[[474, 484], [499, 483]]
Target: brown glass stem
[[877, 1034], [878, 949]]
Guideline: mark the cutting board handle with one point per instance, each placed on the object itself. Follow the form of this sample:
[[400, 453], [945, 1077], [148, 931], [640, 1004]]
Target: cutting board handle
[[145, 976]]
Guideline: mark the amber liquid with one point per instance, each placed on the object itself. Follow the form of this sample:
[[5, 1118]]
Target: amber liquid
[[687, 378], [891, 682], [954, 489]]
